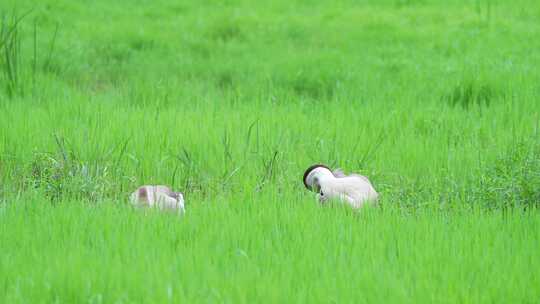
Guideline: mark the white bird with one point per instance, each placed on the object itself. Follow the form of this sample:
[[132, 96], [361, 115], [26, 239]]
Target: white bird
[[161, 197], [355, 190]]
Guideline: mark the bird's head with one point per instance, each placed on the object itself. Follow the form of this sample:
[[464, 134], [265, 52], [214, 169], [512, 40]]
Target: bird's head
[[313, 175]]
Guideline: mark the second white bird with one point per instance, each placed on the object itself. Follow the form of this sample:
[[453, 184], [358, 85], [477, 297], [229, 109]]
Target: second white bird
[[161, 197]]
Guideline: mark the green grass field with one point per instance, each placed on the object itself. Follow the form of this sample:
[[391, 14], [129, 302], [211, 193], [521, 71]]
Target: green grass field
[[438, 102]]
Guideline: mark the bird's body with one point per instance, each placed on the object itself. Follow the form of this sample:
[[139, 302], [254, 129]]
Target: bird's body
[[355, 190], [161, 197]]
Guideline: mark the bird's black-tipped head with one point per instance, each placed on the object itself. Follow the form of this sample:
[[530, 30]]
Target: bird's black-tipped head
[[308, 170]]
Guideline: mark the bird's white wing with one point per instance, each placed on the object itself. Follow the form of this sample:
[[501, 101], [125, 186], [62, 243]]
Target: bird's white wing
[[362, 177], [340, 174]]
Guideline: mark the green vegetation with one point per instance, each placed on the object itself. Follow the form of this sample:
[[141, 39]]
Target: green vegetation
[[229, 101]]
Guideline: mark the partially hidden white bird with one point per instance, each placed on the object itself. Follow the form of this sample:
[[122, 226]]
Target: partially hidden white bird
[[354, 189], [158, 196]]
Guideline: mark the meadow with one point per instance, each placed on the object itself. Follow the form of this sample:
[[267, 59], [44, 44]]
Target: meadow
[[229, 101]]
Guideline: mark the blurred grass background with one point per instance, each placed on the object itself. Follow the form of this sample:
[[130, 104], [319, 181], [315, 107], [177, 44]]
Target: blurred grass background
[[229, 102]]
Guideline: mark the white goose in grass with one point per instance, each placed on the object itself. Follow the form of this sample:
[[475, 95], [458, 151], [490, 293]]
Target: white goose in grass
[[161, 197], [355, 190]]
